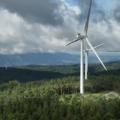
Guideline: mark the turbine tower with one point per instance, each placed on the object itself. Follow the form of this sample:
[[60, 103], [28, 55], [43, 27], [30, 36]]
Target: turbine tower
[[86, 59], [81, 38]]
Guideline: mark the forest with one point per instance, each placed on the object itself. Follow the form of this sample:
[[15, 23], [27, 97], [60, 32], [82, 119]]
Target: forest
[[56, 97], [72, 68], [59, 99]]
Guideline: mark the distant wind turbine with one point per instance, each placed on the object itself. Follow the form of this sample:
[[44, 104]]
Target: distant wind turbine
[[86, 58], [81, 38], [6, 64]]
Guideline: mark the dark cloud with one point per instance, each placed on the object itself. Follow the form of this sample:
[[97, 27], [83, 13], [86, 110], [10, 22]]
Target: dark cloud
[[84, 6], [42, 11], [97, 13], [116, 13], [19, 36]]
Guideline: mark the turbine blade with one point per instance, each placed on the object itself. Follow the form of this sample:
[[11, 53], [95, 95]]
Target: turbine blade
[[87, 22], [95, 53], [96, 46], [72, 42]]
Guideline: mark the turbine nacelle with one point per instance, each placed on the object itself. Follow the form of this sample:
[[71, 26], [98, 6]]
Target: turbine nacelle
[[79, 37], [86, 50]]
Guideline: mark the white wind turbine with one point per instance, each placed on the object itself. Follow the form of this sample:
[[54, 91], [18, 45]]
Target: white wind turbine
[[81, 38], [6, 64], [86, 58]]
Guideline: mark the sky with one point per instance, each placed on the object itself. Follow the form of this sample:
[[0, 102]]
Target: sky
[[40, 26]]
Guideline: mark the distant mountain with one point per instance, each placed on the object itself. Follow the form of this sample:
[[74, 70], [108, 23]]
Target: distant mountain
[[38, 58], [52, 58], [75, 68]]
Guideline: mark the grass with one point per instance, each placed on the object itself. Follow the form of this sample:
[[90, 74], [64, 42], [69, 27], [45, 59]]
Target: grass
[[111, 96], [87, 95], [70, 97], [116, 92], [94, 94]]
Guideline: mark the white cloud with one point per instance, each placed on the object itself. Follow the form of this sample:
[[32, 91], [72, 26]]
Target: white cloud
[[19, 36]]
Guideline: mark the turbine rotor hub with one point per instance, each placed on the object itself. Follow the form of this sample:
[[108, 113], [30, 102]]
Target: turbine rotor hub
[[80, 37]]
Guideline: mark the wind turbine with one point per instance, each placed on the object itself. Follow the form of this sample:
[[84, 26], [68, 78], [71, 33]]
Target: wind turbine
[[6, 63], [81, 38], [86, 58]]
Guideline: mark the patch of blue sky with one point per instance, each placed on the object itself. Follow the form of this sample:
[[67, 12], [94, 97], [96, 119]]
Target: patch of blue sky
[[71, 2], [106, 5]]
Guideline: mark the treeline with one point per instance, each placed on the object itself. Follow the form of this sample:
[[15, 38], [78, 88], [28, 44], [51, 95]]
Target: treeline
[[75, 68], [66, 85], [64, 69], [38, 73]]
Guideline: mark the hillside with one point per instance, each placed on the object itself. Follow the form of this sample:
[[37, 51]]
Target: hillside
[[59, 99], [52, 92], [42, 72], [25, 75], [75, 68]]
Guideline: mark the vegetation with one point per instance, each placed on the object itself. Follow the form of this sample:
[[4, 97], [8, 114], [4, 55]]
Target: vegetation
[[25, 75], [52, 93], [59, 99], [69, 69], [39, 72]]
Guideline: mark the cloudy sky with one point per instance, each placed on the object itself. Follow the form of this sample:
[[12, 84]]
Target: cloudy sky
[[28, 26]]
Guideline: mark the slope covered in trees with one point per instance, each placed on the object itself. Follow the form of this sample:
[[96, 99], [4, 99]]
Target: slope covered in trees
[[75, 68], [25, 75], [40, 72], [48, 95], [40, 100]]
